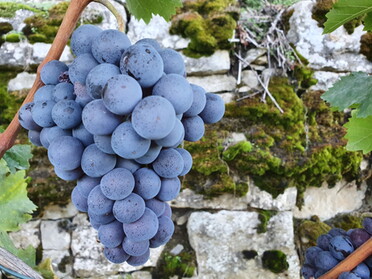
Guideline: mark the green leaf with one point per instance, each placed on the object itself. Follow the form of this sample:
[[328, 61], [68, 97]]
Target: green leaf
[[27, 255], [352, 91], [359, 134], [368, 22], [144, 9], [18, 156], [15, 206], [345, 10]]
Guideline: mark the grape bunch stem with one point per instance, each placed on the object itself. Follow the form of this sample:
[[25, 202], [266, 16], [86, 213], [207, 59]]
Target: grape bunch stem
[[75, 9]]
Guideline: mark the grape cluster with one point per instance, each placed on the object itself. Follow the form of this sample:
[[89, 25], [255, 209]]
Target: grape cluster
[[334, 247], [113, 120]]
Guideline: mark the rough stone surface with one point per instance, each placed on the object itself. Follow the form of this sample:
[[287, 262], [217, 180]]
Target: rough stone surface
[[40, 50], [60, 261], [141, 275], [338, 50], [218, 63], [177, 249], [325, 80], [21, 81], [27, 235], [253, 54], [228, 97], [55, 212], [326, 203], [157, 29], [249, 78], [215, 83], [264, 200], [219, 247], [54, 236], [17, 20]]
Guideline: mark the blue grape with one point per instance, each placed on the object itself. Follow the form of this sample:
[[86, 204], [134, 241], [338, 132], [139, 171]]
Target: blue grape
[[164, 233], [101, 219], [83, 37], [144, 228], [127, 143], [96, 163], [158, 207], [139, 260], [348, 275], [187, 160], [325, 261], [194, 128], [167, 210], [153, 118], [83, 135], [82, 97], [115, 255], [152, 42], [98, 203], [98, 77], [79, 200], [169, 163], [42, 113], [214, 109], [98, 120], [34, 137], [362, 271], [67, 114], [147, 183], [319, 273], [63, 91], [51, 71], [358, 237], [121, 94], [307, 271], [336, 232], [111, 235], [323, 241], [135, 248], [65, 153], [117, 184], [169, 190], [25, 117], [44, 137], [367, 225], [199, 101], [143, 63], [174, 136], [44, 93], [109, 45], [150, 155], [80, 67], [86, 184], [173, 62], [349, 231], [129, 209], [177, 90], [55, 132], [340, 247], [104, 143], [311, 254], [69, 175], [128, 164]]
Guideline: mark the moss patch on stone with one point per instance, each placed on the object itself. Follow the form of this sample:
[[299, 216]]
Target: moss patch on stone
[[275, 261], [264, 216], [347, 221], [182, 265], [309, 231], [8, 9], [366, 45], [208, 24], [12, 37]]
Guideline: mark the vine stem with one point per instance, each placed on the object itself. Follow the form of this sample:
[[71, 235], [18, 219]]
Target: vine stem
[[73, 13]]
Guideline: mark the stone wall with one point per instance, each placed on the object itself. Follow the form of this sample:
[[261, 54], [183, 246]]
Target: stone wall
[[218, 236]]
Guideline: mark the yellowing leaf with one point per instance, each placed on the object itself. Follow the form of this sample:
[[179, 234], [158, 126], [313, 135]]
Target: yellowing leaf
[[359, 134]]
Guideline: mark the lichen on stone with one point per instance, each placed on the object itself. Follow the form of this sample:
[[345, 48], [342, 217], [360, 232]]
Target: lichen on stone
[[208, 24], [275, 261]]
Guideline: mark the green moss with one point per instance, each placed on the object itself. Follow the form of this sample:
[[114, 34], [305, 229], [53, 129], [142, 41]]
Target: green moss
[[9, 104], [249, 254], [5, 27], [366, 45], [264, 216], [182, 265], [309, 231], [275, 261], [231, 152], [347, 221], [13, 37], [8, 9], [208, 25]]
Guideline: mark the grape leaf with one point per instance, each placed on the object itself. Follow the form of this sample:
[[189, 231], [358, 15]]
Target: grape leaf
[[144, 9], [17, 157], [15, 206], [368, 22], [354, 90], [27, 255], [344, 11], [359, 134]]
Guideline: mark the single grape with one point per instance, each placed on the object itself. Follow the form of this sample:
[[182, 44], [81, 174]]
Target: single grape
[[135, 248], [174, 136], [69, 175], [147, 183], [169, 190], [150, 155], [65, 153], [340, 247], [42, 113], [86, 184], [129, 209], [44, 93], [25, 117], [63, 91], [96, 163], [140, 260], [98, 203], [198, 103], [169, 163], [323, 241], [325, 261], [117, 184], [56, 132], [83, 37], [164, 233], [67, 114], [362, 271], [187, 159], [116, 255], [98, 77], [80, 67], [194, 128], [79, 200], [167, 210], [311, 254], [111, 235], [214, 109], [128, 164], [34, 137], [358, 237], [144, 228], [83, 135], [101, 219], [44, 137], [104, 143], [155, 205], [173, 62], [51, 71], [127, 143], [109, 45], [152, 42]]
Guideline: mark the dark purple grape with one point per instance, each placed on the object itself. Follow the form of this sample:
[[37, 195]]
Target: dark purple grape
[[323, 241], [311, 254], [358, 237], [367, 224]]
